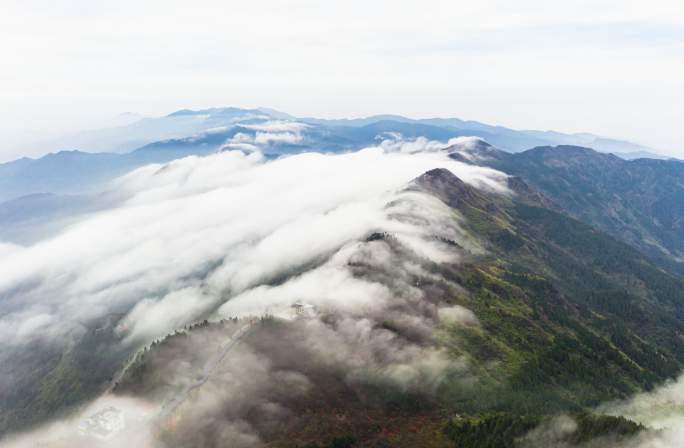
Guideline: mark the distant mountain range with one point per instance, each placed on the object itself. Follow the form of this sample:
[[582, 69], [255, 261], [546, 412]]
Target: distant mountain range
[[187, 123], [86, 161], [27, 185]]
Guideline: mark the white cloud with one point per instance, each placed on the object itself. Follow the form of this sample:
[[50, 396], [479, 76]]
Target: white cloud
[[151, 317], [459, 315], [421, 144], [7, 249], [234, 234], [266, 133], [263, 138], [660, 410], [213, 228]]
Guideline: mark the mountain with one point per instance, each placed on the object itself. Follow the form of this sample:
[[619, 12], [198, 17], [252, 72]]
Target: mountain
[[186, 123], [505, 138], [94, 157], [638, 201], [536, 314], [621, 148], [126, 138], [199, 133], [65, 172], [574, 279], [557, 326], [31, 218], [76, 172]]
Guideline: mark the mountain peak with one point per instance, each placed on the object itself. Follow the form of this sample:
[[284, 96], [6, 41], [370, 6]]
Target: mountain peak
[[439, 177], [448, 187], [473, 150]]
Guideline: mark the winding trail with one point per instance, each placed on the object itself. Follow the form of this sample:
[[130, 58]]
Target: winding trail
[[137, 433], [209, 367]]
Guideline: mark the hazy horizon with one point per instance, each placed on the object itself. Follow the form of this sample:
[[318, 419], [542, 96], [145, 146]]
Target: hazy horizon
[[34, 146], [585, 67]]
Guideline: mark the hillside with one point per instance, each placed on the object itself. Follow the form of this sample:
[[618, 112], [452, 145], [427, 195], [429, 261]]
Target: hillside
[[563, 318], [638, 201]]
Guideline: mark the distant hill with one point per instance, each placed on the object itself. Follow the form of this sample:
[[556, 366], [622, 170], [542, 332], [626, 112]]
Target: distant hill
[[74, 172], [505, 138], [186, 123], [179, 124], [28, 219], [82, 163]]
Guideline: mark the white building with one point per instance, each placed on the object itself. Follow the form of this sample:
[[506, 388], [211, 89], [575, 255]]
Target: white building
[[103, 424], [303, 309]]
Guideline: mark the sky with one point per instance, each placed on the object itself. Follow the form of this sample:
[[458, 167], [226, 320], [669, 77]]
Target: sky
[[611, 68]]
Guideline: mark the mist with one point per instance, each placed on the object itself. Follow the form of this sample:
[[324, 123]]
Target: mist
[[223, 223], [661, 410], [233, 234]]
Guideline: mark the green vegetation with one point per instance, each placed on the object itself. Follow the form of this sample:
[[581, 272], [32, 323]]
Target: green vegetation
[[638, 202], [56, 380], [507, 431], [569, 316]]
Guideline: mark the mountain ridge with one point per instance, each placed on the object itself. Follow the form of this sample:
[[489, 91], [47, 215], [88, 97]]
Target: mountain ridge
[[197, 132], [638, 201], [549, 296]]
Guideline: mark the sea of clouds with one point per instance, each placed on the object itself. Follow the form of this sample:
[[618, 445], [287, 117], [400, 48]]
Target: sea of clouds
[[235, 234], [193, 233]]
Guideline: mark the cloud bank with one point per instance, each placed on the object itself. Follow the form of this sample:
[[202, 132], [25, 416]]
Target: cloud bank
[[269, 132], [661, 410], [233, 234], [218, 225]]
